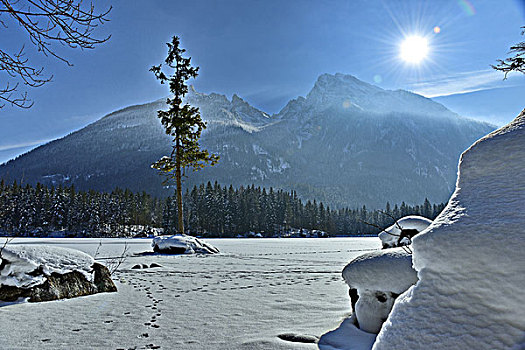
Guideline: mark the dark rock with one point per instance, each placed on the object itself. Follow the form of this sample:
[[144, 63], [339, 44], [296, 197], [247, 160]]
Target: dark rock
[[381, 297], [155, 265], [137, 267], [62, 286], [354, 296], [170, 250], [406, 233], [145, 266], [10, 293], [38, 271], [298, 338], [102, 279], [57, 286]]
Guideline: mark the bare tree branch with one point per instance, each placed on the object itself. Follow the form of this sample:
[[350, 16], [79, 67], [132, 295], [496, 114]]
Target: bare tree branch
[[7, 241], [380, 228], [46, 22], [115, 263], [392, 217], [407, 249]]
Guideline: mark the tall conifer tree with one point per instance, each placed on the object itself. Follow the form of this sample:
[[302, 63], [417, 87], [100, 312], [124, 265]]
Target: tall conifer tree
[[182, 122]]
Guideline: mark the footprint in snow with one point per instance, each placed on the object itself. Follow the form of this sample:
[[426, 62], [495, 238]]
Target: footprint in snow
[[152, 346]]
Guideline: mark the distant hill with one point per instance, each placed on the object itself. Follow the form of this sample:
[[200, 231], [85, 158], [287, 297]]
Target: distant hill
[[346, 143]]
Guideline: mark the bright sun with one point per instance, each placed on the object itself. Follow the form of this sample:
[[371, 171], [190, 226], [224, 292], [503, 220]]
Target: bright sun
[[414, 49]]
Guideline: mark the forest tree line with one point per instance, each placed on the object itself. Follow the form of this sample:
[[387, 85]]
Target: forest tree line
[[211, 210]]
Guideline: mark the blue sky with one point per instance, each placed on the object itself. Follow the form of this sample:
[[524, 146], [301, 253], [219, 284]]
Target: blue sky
[[270, 51]]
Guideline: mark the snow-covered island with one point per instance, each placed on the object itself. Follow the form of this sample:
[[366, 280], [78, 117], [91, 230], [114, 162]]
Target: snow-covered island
[[469, 264], [182, 244]]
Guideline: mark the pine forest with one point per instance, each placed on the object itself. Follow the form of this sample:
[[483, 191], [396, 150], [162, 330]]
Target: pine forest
[[211, 210]]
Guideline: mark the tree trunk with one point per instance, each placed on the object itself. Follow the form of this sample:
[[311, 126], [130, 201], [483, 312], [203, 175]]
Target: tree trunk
[[178, 176]]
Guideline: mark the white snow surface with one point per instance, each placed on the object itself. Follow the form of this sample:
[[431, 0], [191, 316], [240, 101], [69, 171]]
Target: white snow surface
[[390, 236], [388, 270], [192, 244], [22, 260], [470, 261], [242, 298]]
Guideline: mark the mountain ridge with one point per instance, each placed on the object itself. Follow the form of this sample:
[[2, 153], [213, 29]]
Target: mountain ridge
[[346, 143]]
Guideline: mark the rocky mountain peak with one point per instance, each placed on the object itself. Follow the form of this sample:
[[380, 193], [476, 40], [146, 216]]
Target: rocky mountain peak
[[236, 100], [337, 88], [249, 112], [213, 99]]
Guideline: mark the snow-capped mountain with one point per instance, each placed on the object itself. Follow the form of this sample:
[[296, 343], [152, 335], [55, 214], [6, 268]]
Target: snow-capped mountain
[[342, 91], [346, 143]]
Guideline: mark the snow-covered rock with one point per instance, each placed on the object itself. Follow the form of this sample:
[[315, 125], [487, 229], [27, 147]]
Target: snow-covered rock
[[470, 261], [390, 237], [378, 278], [182, 244], [387, 270], [43, 273], [20, 262]]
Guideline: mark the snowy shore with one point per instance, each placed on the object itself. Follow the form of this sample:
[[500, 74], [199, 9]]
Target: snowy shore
[[242, 298]]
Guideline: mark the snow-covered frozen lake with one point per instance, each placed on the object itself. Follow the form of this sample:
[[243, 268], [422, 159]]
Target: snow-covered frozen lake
[[242, 298]]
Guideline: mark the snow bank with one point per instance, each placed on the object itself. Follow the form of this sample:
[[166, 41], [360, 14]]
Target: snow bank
[[390, 236], [470, 261], [21, 262], [182, 244], [379, 278]]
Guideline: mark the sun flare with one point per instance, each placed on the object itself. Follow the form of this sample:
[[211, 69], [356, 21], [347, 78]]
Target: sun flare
[[414, 49]]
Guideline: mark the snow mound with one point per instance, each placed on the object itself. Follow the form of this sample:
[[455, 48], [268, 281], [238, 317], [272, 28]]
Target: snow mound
[[391, 235], [182, 244], [20, 263], [388, 270], [347, 337], [470, 261], [379, 278]]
